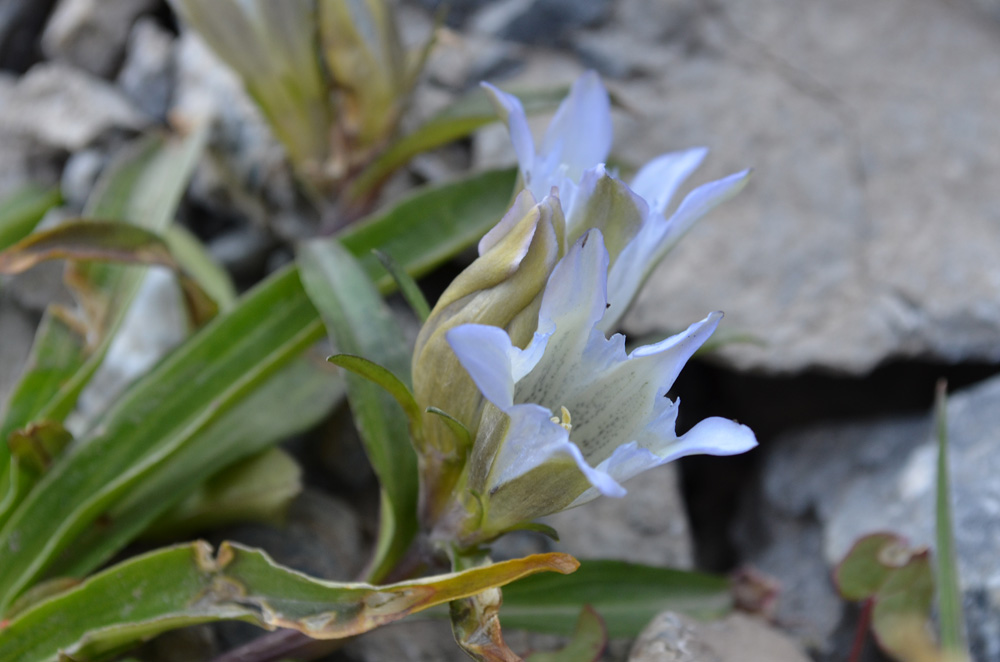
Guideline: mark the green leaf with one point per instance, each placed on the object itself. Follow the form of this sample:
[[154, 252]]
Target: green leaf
[[185, 585], [142, 186], [36, 446], [21, 211], [197, 395], [104, 241], [627, 595], [293, 400], [898, 581], [407, 286], [360, 323], [586, 643], [195, 260], [178, 401], [259, 488], [272, 46], [381, 377], [466, 115], [431, 225], [868, 564], [949, 592]]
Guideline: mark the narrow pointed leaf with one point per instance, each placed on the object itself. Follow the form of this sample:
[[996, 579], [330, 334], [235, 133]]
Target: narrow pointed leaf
[[626, 595], [176, 402], [948, 588], [195, 260], [360, 323], [191, 396], [382, 377], [466, 115], [113, 609], [103, 241], [143, 186], [407, 286], [432, 224]]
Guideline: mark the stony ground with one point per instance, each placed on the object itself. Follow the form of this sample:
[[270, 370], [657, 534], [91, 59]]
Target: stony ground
[[858, 267]]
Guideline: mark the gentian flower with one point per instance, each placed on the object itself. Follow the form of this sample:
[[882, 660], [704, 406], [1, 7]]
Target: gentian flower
[[633, 218], [573, 415]]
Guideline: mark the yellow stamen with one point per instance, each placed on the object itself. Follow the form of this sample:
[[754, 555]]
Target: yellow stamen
[[565, 421]]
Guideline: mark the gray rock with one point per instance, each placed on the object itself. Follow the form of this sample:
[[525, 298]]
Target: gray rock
[[321, 537], [412, 640], [247, 173], [543, 22], [866, 233], [155, 323], [21, 24], [648, 525], [80, 174], [60, 107], [91, 34], [672, 637], [147, 75], [826, 487]]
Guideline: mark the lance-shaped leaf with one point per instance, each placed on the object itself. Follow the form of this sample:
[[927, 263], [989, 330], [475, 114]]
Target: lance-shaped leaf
[[143, 187], [360, 323], [460, 119], [208, 388], [185, 585], [627, 596], [953, 641], [362, 50], [271, 45], [21, 211], [103, 241]]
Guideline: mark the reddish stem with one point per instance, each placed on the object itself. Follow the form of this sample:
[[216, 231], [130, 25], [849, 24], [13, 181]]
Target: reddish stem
[[861, 634]]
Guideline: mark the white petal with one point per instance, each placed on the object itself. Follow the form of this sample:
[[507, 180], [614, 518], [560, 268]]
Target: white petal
[[580, 132], [485, 352], [657, 181], [573, 302], [638, 259], [512, 112], [699, 202], [716, 436], [532, 440]]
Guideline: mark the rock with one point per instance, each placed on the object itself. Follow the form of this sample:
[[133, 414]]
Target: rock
[[155, 323], [867, 230], [542, 22], [243, 252], [406, 641], [91, 34], [321, 537], [671, 637], [147, 75], [832, 484], [648, 525], [248, 174], [80, 174], [21, 24], [64, 108], [460, 61]]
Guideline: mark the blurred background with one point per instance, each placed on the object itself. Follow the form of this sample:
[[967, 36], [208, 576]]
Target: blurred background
[[861, 264]]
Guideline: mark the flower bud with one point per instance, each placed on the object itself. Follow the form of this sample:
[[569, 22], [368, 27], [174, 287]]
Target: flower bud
[[502, 288]]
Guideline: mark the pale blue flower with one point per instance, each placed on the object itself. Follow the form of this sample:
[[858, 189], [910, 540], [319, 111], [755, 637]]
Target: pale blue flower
[[580, 416], [633, 218]]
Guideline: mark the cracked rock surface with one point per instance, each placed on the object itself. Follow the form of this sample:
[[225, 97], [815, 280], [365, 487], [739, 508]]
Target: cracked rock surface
[[870, 226]]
